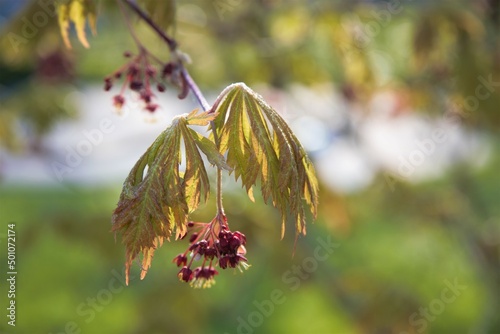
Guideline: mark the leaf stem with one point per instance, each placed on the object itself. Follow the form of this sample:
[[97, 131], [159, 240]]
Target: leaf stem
[[218, 192]]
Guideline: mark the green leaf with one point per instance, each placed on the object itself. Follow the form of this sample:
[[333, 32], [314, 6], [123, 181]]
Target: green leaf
[[203, 118], [204, 144], [260, 146], [63, 19], [156, 202], [196, 183], [210, 150]]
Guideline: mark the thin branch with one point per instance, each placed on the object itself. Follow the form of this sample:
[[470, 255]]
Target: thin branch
[[196, 90], [172, 44]]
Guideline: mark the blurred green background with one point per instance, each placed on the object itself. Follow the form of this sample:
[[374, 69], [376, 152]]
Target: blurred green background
[[407, 255]]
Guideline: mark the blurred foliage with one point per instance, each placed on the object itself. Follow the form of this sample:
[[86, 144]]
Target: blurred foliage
[[395, 259], [397, 248], [433, 54]]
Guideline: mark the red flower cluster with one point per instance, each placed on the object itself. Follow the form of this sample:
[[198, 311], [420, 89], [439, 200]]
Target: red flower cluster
[[142, 77], [215, 245]]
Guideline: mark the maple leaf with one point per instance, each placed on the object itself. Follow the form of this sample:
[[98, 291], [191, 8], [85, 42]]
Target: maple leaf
[[78, 12], [261, 146], [155, 203]]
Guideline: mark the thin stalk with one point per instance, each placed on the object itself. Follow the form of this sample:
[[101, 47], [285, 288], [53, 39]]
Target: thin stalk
[[218, 192], [172, 44], [196, 90]]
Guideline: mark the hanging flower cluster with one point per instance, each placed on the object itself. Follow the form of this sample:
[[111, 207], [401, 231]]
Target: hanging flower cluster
[[215, 245], [142, 77]]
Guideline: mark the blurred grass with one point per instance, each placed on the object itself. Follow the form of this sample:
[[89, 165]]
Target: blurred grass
[[395, 259]]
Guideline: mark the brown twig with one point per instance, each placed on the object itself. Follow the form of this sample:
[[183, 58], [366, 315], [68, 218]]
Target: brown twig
[[172, 44]]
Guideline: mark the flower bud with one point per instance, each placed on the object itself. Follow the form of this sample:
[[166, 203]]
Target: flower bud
[[107, 86], [193, 237], [161, 87], [241, 236], [180, 260], [234, 243], [223, 261], [185, 274], [118, 101], [133, 69], [135, 85], [210, 252], [151, 107], [167, 69]]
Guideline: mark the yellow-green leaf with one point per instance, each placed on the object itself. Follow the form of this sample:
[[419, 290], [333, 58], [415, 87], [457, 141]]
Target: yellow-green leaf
[[203, 118], [210, 150], [157, 196], [77, 12], [260, 146], [63, 19]]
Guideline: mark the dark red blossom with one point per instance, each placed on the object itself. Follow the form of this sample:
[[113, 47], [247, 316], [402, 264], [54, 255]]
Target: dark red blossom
[[118, 101], [107, 84], [136, 85], [168, 69], [140, 76], [161, 87], [151, 107], [180, 260], [185, 274], [193, 237], [215, 245]]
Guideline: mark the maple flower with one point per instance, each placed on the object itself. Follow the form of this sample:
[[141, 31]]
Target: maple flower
[[185, 274], [215, 245], [118, 101], [139, 76]]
